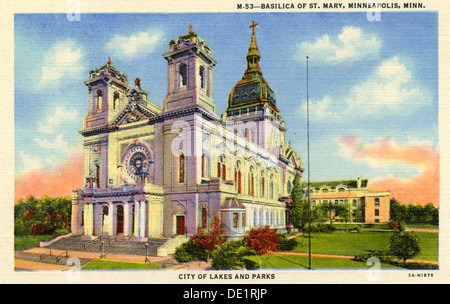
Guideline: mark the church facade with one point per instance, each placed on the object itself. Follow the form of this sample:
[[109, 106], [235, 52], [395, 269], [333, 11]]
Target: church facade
[[156, 171]]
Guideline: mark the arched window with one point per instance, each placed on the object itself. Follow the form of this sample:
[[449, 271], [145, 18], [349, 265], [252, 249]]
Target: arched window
[[97, 175], [271, 190], [183, 75], [289, 187], [201, 74], [204, 159], [115, 100], [251, 182], [263, 183], [221, 168], [204, 217], [182, 169], [99, 99], [238, 177]]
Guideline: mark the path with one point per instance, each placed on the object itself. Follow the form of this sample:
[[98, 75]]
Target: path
[[337, 256]]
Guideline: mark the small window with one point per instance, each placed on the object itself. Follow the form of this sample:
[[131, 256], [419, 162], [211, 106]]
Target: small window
[[115, 100], [377, 202], [182, 169], [183, 75], [235, 220], [341, 190], [203, 165], [201, 73], [324, 190], [204, 218], [99, 102], [377, 212], [289, 187]]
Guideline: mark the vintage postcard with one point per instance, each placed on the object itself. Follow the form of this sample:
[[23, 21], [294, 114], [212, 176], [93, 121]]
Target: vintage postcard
[[241, 142]]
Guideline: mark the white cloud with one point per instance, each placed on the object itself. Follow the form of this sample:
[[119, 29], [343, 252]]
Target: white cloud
[[323, 109], [350, 45], [391, 88], [63, 60], [59, 144], [137, 45], [60, 115]]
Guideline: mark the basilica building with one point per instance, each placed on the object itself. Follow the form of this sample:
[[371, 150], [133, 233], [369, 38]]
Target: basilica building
[[154, 171]]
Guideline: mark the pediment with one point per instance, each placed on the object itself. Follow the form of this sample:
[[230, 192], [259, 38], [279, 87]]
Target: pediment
[[131, 113]]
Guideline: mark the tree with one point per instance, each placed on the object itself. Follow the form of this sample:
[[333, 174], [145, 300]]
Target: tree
[[398, 212], [332, 211], [430, 214], [300, 208], [262, 240], [210, 240], [404, 245], [47, 215]]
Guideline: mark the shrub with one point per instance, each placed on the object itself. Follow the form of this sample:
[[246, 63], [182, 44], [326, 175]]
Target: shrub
[[404, 244], [210, 240], [285, 244], [231, 255], [381, 255], [188, 252], [202, 243], [395, 225], [262, 240]]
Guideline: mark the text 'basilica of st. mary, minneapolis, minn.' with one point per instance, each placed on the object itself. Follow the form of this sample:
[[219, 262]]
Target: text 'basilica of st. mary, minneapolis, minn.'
[[153, 171]]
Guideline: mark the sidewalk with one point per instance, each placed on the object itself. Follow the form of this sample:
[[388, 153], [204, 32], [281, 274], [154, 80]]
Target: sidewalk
[[30, 265]]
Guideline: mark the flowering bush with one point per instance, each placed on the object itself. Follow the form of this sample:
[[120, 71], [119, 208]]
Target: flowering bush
[[47, 215], [39, 228], [209, 241], [262, 240]]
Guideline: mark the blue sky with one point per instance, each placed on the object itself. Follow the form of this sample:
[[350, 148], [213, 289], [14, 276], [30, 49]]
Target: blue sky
[[368, 81]]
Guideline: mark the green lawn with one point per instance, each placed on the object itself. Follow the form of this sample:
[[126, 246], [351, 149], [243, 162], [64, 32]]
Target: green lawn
[[22, 242], [109, 264], [351, 243], [284, 262]]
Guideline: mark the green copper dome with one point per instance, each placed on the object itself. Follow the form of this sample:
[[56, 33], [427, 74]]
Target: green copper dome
[[252, 88]]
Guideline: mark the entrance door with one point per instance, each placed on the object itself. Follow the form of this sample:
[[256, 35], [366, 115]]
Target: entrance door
[[180, 225], [120, 219]]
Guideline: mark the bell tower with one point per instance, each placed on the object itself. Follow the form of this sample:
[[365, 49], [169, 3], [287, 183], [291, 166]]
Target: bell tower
[[189, 82]]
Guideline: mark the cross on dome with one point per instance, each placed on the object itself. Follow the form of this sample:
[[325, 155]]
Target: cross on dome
[[253, 25]]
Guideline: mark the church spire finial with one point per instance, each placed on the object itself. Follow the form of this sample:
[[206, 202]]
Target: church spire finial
[[253, 55], [253, 44]]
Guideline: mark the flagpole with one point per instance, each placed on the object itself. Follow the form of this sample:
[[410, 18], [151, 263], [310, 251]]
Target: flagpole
[[309, 193]]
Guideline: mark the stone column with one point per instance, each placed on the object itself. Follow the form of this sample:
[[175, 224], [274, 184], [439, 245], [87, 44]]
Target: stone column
[[111, 219], [137, 221], [126, 219], [142, 219], [86, 219], [89, 219]]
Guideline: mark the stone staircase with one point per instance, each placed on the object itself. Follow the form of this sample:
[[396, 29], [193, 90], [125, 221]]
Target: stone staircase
[[59, 252], [111, 245]]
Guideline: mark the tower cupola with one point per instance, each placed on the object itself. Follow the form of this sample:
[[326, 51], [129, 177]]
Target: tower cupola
[[252, 89]]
